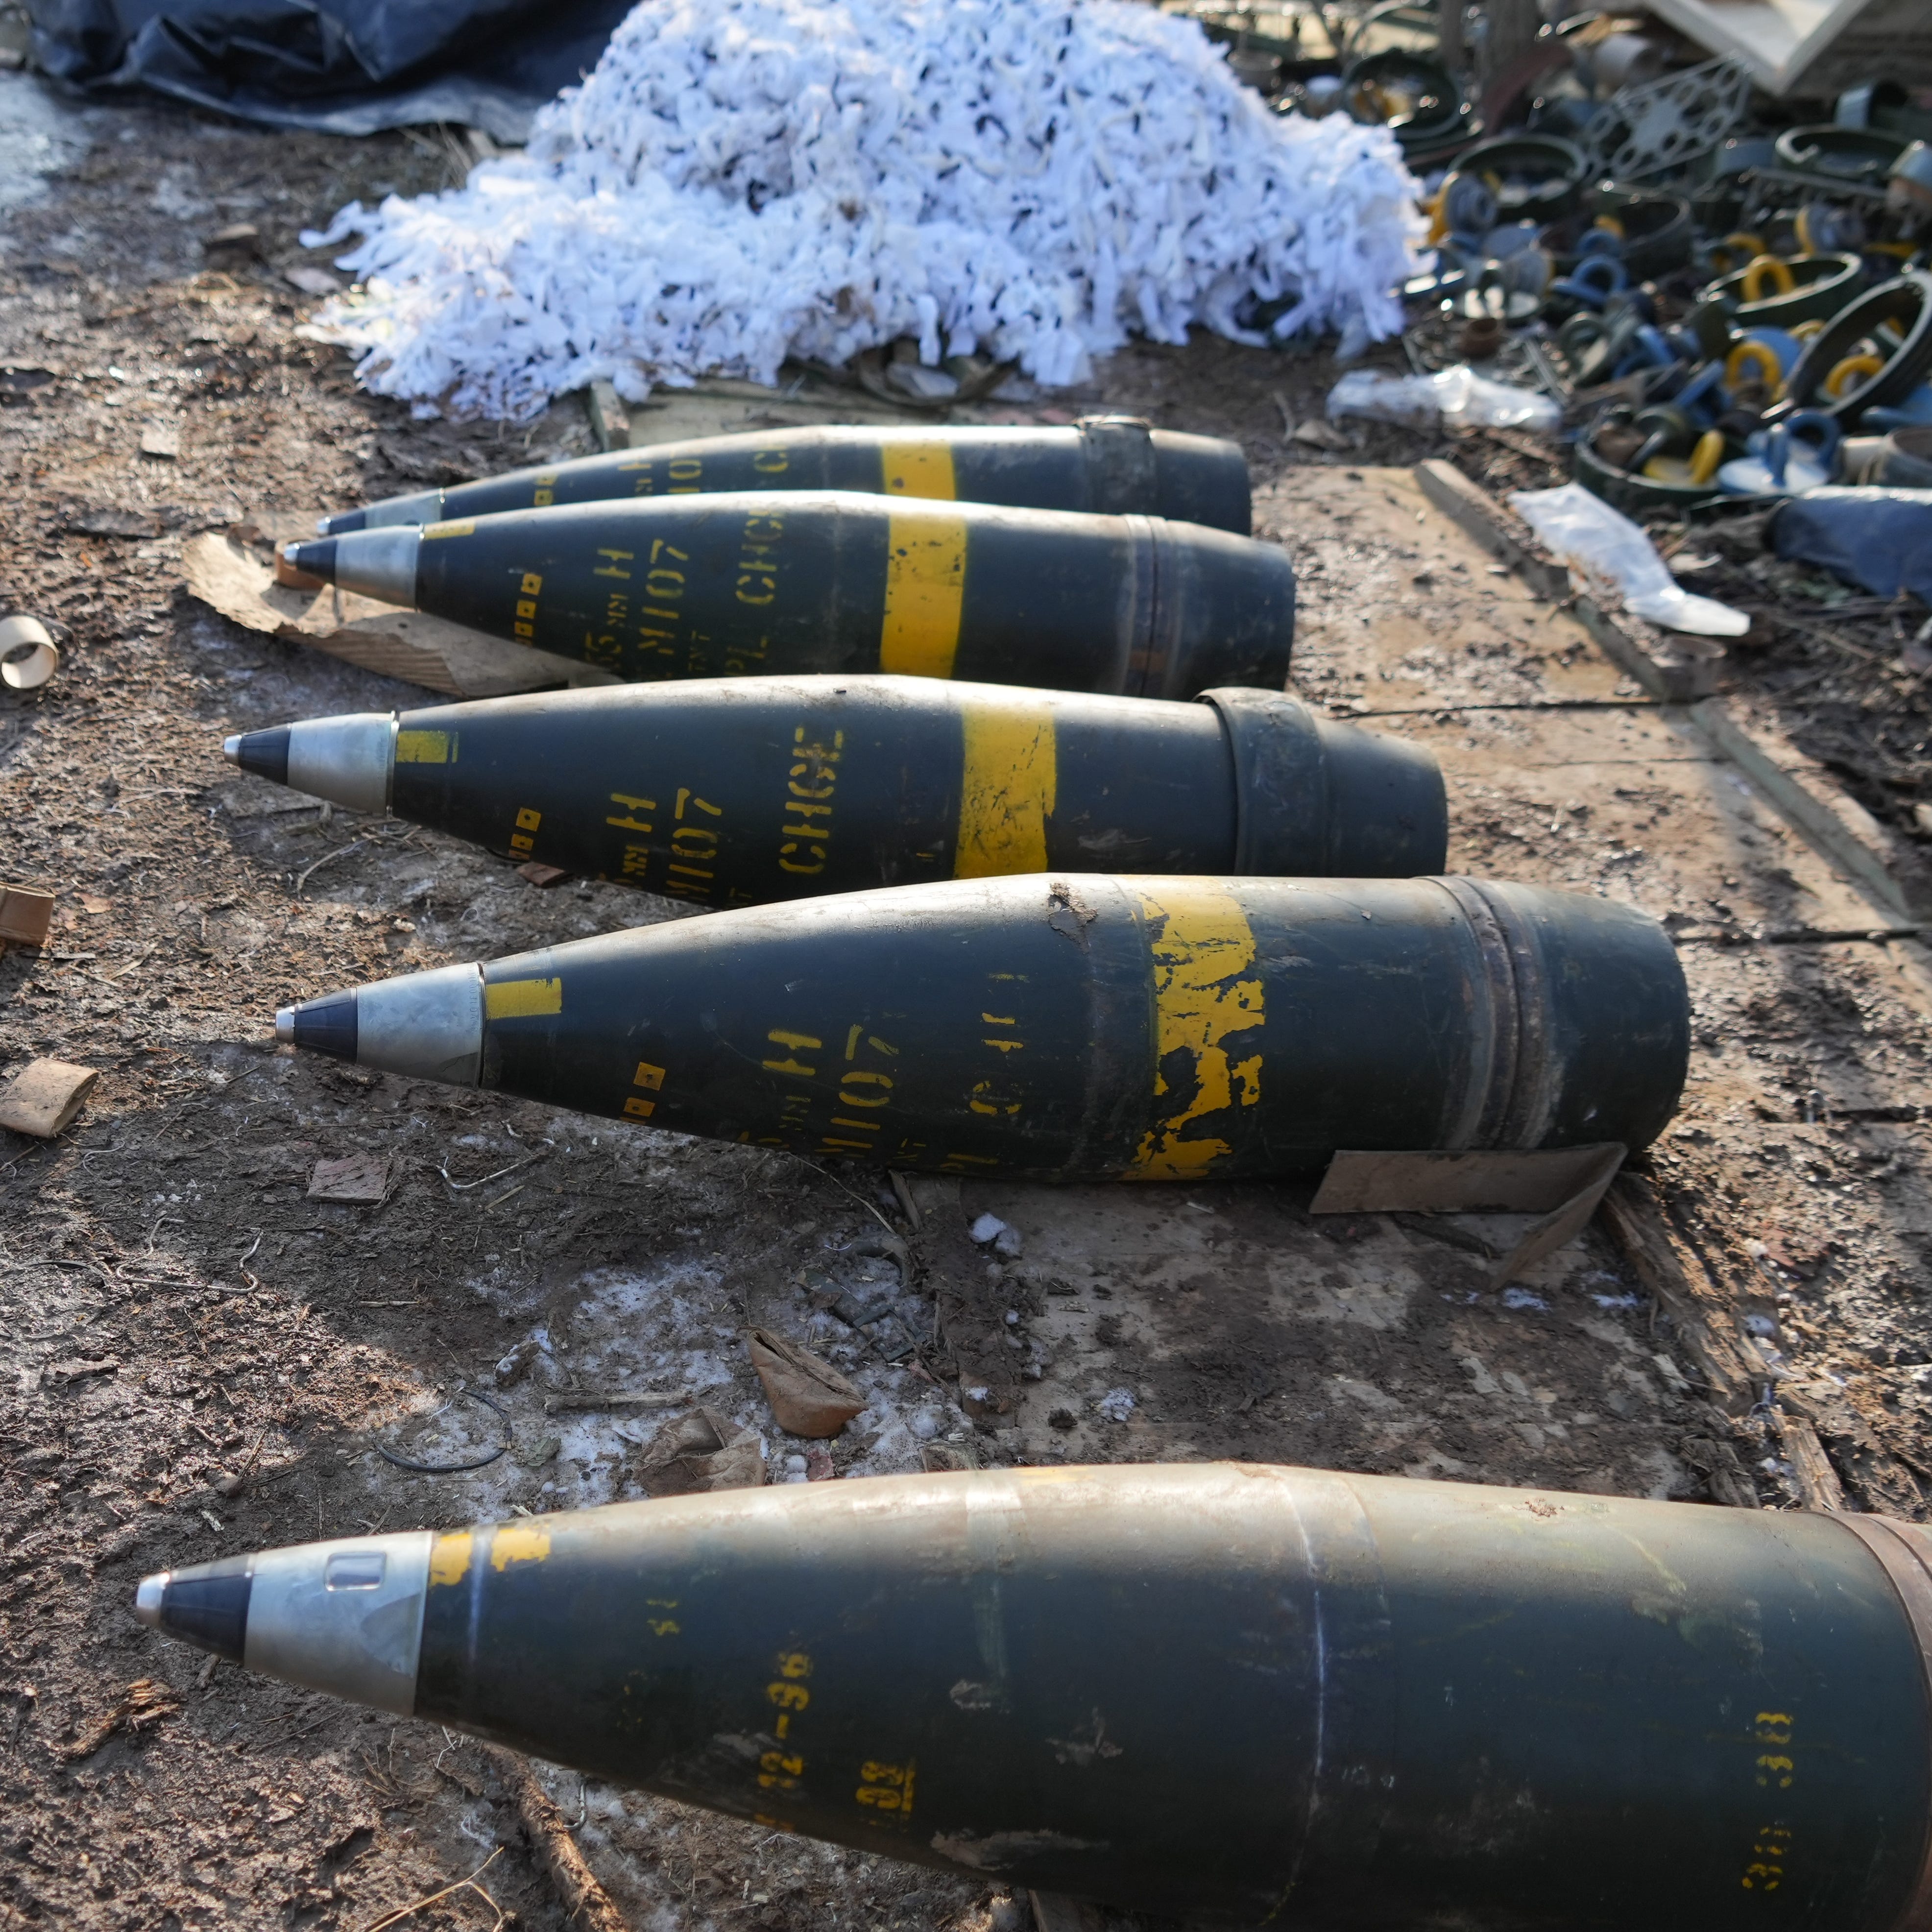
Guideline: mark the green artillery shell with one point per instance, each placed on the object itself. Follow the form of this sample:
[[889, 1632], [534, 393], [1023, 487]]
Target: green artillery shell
[[1111, 466], [1154, 1028], [734, 791], [1305, 1699], [825, 580]]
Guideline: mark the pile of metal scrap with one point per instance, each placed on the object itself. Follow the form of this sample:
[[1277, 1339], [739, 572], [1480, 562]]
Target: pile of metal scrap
[[1724, 289]]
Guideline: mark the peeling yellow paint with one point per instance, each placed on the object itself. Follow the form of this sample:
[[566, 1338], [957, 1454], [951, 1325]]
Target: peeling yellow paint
[[517, 1543], [449, 1558], [1008, 781], [1201, 944]]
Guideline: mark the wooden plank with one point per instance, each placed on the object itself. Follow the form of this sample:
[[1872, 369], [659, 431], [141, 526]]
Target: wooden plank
[[1676, 669], [1818, 48], [1494, 526], [609, 421], [1811, 1469], [1706, 1319], [1684, 670], [1837, 827], [228, 577]]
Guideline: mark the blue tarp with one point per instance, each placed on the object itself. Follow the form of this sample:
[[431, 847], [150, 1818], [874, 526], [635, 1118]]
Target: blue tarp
[[1881, 538]]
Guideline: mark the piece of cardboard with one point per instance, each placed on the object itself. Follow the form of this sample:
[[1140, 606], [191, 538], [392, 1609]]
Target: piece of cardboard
[[26, 913], [1562, 1186], [1436, 1181], [363, 1179], [44, 1096]]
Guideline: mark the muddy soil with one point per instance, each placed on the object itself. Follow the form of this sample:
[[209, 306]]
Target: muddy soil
[[201, 1358]]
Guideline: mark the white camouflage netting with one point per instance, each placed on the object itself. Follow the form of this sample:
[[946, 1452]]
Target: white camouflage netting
[[740, 181]]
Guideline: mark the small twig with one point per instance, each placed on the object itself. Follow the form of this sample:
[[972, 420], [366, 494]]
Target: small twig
[[907, 1206], [341, 852], [463, 1186], [841, 1187], [584, 1900], [449, 1890], [595, 1398]]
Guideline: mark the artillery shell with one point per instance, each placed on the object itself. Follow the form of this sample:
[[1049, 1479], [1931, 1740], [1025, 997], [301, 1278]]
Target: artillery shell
[[1149, 1028], [1304, 1699], [736, 791], [823, 580], [1110, 466]]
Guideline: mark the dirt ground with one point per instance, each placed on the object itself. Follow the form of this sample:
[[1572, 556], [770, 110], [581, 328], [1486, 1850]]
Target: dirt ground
[[200, 1359]]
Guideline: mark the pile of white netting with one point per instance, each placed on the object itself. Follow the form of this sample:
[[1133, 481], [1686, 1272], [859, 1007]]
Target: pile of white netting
[[740, 181]]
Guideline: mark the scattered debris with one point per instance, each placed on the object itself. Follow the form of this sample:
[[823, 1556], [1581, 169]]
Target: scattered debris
[[1457, 397], [238, 238], [26, 915], [698, 1452], [27, 656], [311, 280], [808, 1397], [144, 1704], [363, 1178]]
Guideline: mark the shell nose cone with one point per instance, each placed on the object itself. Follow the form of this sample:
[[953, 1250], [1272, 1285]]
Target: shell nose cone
[[149, 1594], [231, 750], [285, 1024]]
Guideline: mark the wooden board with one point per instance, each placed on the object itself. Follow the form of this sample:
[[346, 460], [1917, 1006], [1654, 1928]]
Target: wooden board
[[1812, 47], [230, 576]]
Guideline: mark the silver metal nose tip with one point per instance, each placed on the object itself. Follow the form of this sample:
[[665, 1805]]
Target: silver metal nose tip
[[285, 1024], [149, 1596], [231, 750], [321, 526], [288, 552]]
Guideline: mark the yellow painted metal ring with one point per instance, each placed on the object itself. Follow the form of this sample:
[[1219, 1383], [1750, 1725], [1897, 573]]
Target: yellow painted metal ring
[[1735, 248], [1804, 330], [1705, 458], [1758, 356], [1611, 226], [1767, 267], [1852, 369]]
